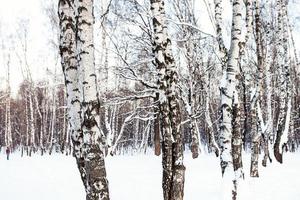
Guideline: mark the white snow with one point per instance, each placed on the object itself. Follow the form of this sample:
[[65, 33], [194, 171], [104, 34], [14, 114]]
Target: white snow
[[39, 177], [139, 178]]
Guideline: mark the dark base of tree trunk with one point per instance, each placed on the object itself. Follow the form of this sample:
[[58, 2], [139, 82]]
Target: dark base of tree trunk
[[254, 173], [254, 158], [177, 191], [157, 150], [167, 169], [264, 161], [234, 192], [96, 174], [277, 154], [195, 151]]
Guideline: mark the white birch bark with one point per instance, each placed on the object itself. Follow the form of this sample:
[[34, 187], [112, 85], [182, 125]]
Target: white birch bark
[[231, 146], [97, 184], [8, 133], [172, 148], [66, 12], [32, 125], [285, 87], [219, 33], [269, 132], [53, 120], [257, 131]]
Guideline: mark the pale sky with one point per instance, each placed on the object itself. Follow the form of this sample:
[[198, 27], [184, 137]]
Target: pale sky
[[40, 54]]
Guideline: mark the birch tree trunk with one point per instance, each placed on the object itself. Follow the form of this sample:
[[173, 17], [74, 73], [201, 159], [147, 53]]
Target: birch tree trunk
[[8, 133], [218, 22], [172, 146], [212, 142], [53, 137], [269, 120], [66, 12], [285, 88], [31, 121], [40, 139], [53, 121], [97, 184], [192, 107], [26, 141], [256, 132], [45, 119], [230, 135], [157, 146]]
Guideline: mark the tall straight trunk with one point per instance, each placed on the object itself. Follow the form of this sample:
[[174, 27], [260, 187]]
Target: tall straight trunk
[[256, 133], [32, 125], [195, 138], [269, 135], [104, 70], [212, 142], [26, 141], [110, 123], [8, 133], [67, 23], [54, 132], [285, 87], [172, 144], [109, 135], [245, 73], [166, 130], [40, 138], [53, 121], [45, 120], [218, 21], [97, 183], [157, 147], [230, 135], [192, 122], [136, 129], [64, 134], [177, 190]]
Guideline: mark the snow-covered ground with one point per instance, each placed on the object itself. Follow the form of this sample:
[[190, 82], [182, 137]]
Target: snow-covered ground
[[139, 178]]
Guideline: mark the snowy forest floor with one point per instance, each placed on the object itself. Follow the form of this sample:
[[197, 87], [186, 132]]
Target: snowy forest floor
[[139, 178]]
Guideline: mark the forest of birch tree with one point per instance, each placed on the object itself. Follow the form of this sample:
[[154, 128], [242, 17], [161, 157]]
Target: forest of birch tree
[[156, 77]]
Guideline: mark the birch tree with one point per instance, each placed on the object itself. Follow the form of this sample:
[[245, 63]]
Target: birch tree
[[97, 184], [172, 147], [257, 131], [8, 132], [230, 136], [284, 78], [269, 133], [77, 55], [66, 12]]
